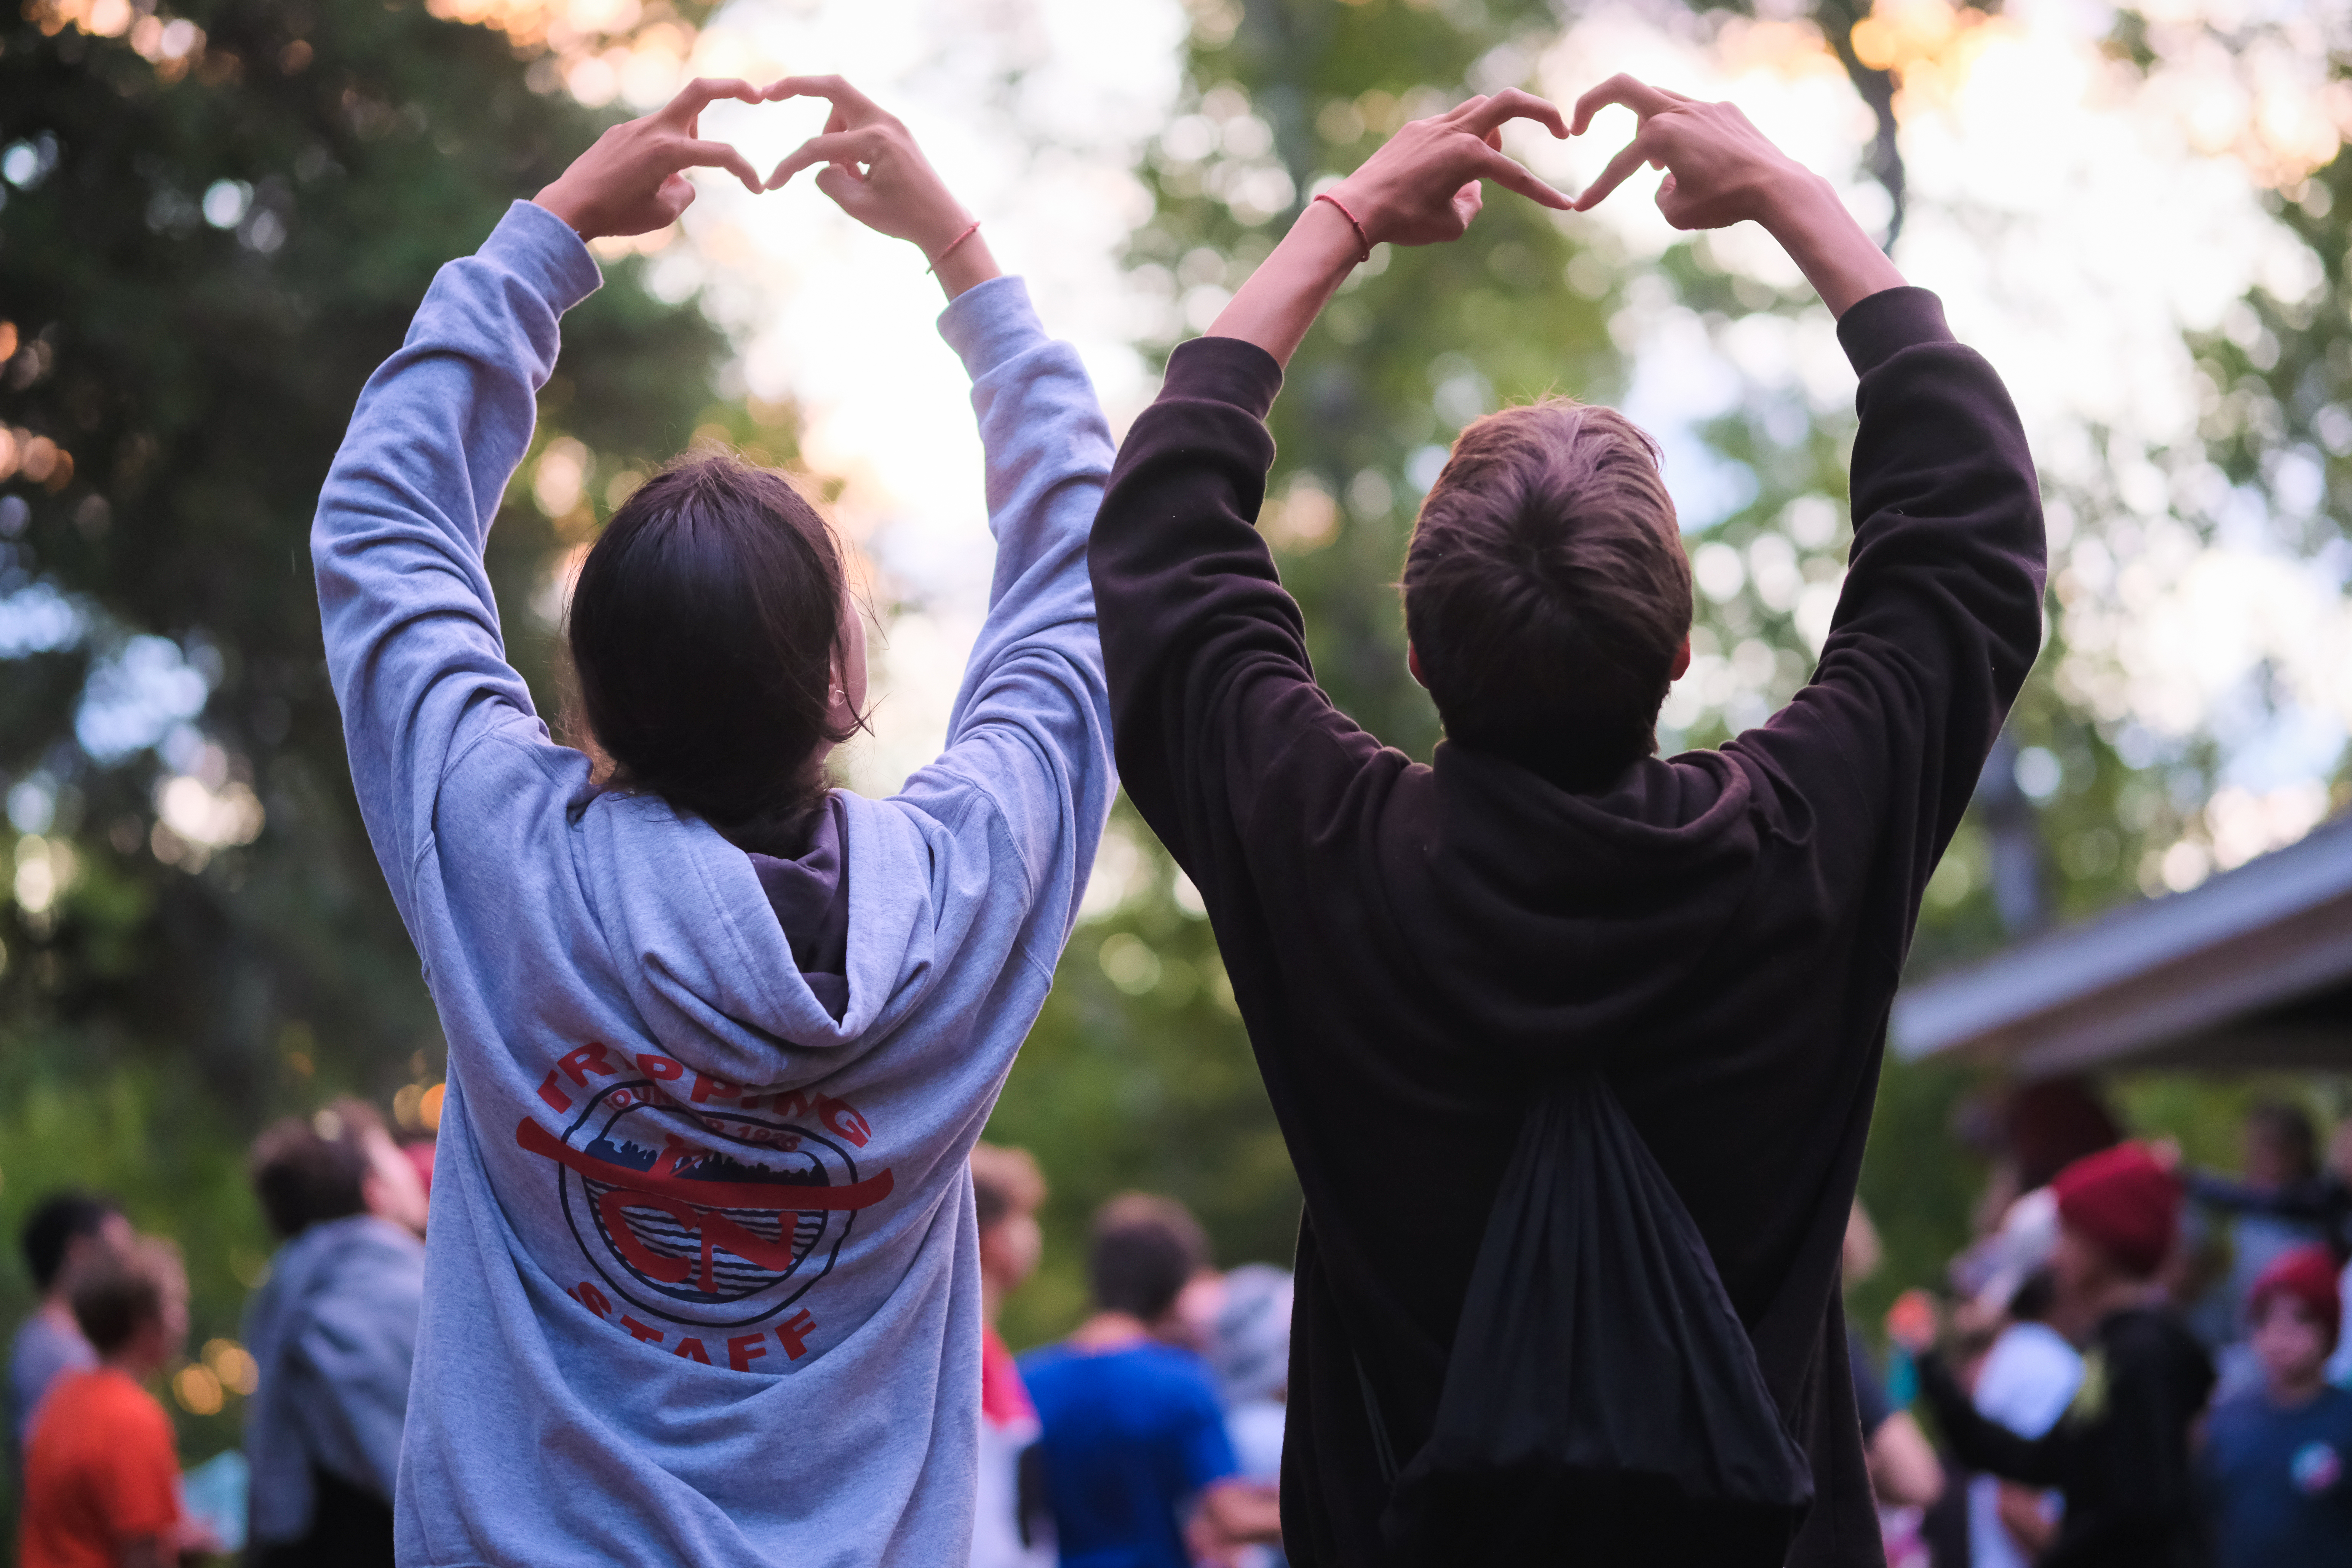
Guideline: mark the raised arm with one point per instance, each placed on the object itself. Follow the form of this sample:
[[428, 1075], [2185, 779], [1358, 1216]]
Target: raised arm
[[412, 628], [1206, 651], [1421, 187], [1941, 617], [1031, 724]]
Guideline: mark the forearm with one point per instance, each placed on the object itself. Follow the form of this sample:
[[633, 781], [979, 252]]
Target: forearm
[[1290, 288], [1981, 1444], [1821, 237], [404, 597]]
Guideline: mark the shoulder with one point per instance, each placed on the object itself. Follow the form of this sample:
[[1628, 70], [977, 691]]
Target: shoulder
[[127, 1411], [1181, 1372]]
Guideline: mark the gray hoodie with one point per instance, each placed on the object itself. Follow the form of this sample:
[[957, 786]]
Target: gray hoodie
[[703, 1283], [333, 1333]]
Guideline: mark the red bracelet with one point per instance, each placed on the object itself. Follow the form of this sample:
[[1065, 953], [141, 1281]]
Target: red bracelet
[[1361, 237], [958, 239]]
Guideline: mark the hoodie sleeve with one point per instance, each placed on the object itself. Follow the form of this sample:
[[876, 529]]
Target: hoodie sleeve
[[1031, 726], [1220, 724], [412, 628], [1938, 621]]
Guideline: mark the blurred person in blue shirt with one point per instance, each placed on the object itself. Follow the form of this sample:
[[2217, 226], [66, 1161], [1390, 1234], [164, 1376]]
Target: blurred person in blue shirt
[[2274, 1465], [1137, 1461], [333, 1333], [65, 1232]]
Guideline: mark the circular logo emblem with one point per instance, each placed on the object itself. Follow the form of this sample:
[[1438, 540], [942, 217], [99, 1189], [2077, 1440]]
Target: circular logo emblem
[[2317, 1467], [706, 1216]]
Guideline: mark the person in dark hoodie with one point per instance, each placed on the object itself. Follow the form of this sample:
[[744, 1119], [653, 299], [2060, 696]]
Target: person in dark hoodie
[[333, 1336], [2120, 1453], [1418, 950]]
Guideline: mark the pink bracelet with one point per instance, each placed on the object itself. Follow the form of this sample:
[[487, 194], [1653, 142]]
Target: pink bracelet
[[958, 239], [1360, 236]]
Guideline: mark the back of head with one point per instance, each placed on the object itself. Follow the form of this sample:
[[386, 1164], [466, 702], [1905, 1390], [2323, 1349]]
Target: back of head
[[57, 1222], [704, 630], [310, 1170], [1004, 1182], [1249, 1339], [1546, 593], [1146, 1248], [118, 1293]]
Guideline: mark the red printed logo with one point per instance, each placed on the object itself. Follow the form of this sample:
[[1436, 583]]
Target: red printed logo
[[702, 1207]]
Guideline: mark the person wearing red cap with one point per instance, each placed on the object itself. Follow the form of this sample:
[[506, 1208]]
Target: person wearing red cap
[[2120, 1454], [2273, 1473]]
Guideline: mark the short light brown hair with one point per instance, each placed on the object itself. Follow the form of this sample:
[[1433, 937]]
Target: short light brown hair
[[1546, 593], [118, 1293], [1004, 1182]]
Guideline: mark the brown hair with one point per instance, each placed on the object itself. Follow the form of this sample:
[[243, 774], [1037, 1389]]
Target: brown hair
[[1146, 1248], [118, 1293], [1546, 593], [309, 1170], [704, 630], [1003, 1182]]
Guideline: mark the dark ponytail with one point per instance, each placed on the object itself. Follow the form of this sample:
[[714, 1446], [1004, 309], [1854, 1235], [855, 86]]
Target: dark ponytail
[[704, 629]]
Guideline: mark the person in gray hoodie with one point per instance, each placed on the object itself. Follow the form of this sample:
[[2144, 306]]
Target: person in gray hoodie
[[333, 1335], [702, 1283]]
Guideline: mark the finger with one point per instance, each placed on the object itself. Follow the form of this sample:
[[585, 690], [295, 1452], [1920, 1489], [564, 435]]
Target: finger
[[719, 156], [847, 191], [676, 194], [1512, 103], [700, 93], [838, 147], [844, 97], [1632, 93], [1510, 171], [1630, 157]]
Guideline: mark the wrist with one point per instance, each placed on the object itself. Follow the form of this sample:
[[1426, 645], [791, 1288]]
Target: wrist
[[938, 227], [1331, 238], [1844, 265], [560, 202]]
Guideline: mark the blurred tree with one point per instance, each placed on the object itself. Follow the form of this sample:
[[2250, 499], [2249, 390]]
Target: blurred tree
[[216, 221]]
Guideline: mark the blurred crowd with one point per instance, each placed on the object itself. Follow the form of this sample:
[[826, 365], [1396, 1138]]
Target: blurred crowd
[[331, 1334], [2137, 1362]]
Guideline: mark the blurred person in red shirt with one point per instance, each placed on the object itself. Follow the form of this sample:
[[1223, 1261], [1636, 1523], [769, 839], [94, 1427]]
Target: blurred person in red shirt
[[64, 1233], [101, 1467], [1009, 1529]]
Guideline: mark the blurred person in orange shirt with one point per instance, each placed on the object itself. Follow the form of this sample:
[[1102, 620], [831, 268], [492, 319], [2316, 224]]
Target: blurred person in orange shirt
[[65, 1231], [101, 1466]]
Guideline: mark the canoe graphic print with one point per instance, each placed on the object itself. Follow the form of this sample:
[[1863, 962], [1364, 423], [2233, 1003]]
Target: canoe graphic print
[[713, 1216]]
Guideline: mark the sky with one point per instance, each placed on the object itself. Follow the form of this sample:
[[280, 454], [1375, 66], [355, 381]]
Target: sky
[[2075, 217]]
